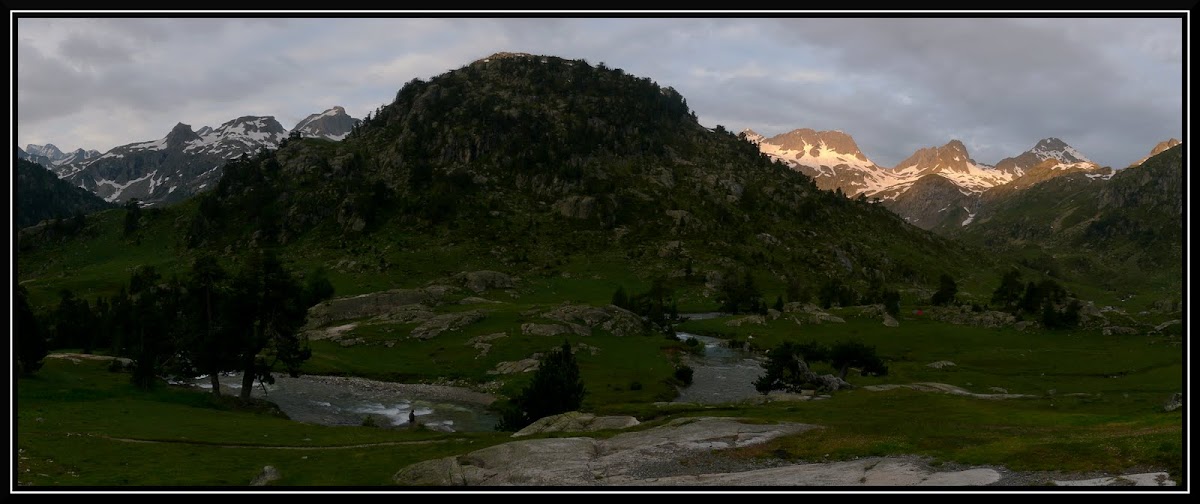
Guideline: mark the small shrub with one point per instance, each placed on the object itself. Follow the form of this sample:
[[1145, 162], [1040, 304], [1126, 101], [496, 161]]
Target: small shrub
[[684, 374], [635, 385]]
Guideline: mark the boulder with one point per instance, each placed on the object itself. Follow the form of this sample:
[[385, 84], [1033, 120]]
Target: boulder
[[513, 367], [1111, 330], [266, 476], [575, 421], [681, 218], [890, 321], [940, 364], [1174, 403]]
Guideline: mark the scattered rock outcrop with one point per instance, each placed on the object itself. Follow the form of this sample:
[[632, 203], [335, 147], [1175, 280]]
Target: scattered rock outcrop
[[533, 329], [617, 321], [376, 304], [481, 281], [963, 315], [1109, 331], [446, 322], [483, 342], [944, 388]]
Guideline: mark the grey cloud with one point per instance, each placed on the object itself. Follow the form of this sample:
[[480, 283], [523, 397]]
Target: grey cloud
[[1110, 87]]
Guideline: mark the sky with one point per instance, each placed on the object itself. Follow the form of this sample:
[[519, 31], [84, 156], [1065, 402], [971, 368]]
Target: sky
[[1110, 87]]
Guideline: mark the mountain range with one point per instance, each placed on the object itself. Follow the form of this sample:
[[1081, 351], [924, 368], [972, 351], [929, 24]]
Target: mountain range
[[182, 162], [935, 188], [939, 188]]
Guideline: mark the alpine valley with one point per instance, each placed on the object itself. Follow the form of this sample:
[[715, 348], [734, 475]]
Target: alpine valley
[[537, 271]]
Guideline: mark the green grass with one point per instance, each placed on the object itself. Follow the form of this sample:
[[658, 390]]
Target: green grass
[[71, 419], [616, 363], [1147, 369], [1118, 424]]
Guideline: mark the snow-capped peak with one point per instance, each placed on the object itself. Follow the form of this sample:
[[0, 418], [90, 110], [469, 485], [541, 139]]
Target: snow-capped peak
[[48, 150], [332, 124], [752, 136], [1054, 148]]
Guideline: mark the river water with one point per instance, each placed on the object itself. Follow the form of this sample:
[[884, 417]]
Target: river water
[[721, 375], [329, 400]]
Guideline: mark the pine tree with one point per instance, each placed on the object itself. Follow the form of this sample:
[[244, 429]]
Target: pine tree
[[30, 340], [947, 291], [556, 388]]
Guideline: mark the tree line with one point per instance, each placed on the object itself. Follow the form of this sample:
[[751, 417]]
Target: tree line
[[209, 322]]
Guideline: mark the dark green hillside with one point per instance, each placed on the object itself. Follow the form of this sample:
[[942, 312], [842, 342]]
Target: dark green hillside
[[41, 195], [1125, 232], [533, 165]]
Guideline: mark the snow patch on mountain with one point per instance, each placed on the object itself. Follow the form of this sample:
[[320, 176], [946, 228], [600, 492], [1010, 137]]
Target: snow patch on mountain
[[823, 156], [1057, 149], [119, 188]]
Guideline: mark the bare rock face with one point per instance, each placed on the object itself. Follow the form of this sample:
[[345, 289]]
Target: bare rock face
[[1159, 148], [574, 421], [576, 207], [586, 461], [651, 458]]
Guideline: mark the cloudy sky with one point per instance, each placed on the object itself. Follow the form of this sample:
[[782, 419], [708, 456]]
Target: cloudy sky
[[1111, 88]]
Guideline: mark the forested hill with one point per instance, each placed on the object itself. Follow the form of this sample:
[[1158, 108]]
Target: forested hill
[[1132, 224], [41, 195], [528, 156]]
